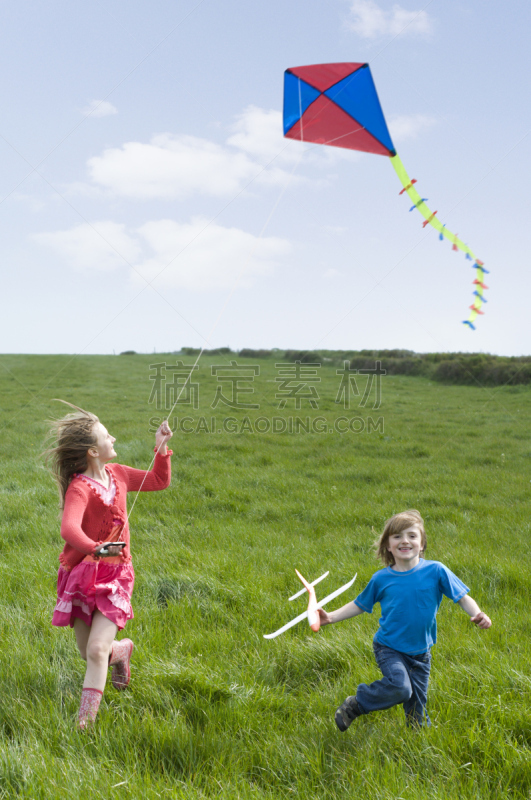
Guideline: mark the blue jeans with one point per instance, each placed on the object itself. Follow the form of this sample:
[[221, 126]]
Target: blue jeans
[[405, 681]]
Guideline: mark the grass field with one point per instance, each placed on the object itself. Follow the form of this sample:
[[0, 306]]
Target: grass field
[[214, 710]]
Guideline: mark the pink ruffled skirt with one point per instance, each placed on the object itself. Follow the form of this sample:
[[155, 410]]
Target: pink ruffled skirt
[[94, 585]]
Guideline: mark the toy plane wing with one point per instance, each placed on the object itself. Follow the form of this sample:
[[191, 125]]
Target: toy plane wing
[[327, 599], [313, 583]]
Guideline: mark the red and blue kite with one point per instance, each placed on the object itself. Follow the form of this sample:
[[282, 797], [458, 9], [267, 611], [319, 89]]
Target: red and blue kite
[[337, 104]]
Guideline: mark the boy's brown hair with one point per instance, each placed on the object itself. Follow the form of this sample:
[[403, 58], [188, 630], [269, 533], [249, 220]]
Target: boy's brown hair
[[396, 524]]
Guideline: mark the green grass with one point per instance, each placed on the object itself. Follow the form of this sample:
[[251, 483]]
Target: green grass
[[214, 710]]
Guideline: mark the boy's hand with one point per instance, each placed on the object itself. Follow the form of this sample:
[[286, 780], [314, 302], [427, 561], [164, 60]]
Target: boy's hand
[[481, 620], [324, 618], [163, 435]]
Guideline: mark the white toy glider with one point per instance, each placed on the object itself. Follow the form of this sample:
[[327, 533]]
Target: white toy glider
[[312, 613]]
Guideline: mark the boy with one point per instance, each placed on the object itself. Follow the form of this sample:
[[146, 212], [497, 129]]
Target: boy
[[409, 590]]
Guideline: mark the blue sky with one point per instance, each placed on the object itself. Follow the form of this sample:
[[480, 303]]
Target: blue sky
[[149, 202]]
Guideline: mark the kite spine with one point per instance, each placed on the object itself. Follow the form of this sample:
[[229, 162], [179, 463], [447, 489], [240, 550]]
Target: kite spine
[[457, 244]]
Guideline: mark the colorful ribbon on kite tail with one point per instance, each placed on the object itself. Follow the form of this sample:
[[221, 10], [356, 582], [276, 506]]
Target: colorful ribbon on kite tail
[[457, 244]]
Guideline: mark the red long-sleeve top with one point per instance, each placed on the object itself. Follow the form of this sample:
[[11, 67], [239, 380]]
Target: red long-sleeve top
[[88, 522]]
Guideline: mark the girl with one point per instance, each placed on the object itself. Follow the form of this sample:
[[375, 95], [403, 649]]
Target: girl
[[96, 577]]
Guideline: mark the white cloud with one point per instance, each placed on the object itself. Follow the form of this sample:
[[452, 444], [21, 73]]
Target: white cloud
[[99, 246], [199, 256], [409, 126], [259, 133], [171, 166], [179, 166], [194, 255], [99, 108], [370, 21]]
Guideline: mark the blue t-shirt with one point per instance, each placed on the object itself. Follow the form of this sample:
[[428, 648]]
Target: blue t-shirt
[[409, 602]]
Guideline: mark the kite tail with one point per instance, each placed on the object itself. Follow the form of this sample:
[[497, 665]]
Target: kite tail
[[431, 219]]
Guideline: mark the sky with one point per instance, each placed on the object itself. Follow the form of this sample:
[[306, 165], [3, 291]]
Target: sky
[[148, 200]]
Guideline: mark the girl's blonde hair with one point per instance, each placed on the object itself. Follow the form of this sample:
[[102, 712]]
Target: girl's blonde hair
[[397, 524], [73, 436]]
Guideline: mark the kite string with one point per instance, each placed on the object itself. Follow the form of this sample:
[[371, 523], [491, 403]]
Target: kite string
[[227, 299], [235, 283]]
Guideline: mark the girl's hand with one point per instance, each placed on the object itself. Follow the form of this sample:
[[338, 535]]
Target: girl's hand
[[324, 618], [481, 620], [163, 435]]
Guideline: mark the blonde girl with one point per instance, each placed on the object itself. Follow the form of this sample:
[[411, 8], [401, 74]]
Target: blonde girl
[[96, 577]]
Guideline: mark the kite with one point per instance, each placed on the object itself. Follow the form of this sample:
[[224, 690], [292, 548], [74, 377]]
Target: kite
[[337, 104], [311, 614]]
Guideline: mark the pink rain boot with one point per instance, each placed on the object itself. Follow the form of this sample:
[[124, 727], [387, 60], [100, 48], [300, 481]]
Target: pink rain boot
[[120, 657], [90, 702]]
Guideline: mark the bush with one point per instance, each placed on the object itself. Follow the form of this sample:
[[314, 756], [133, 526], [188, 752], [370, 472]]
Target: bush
[[393, 366], [484, 369], [218, 351], [455, 368], [194, 351], [305, 356], [452, 372], [248, 353]]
